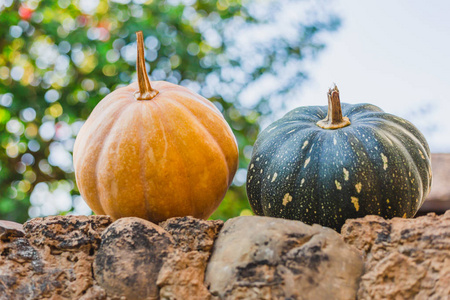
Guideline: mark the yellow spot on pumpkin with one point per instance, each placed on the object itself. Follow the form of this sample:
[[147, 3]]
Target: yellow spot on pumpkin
[[302, 182], [338, 185], [270, 205], [307, 161], [286, 199], [346, 173], [358, 187], [387, 200], [274, 177], [421, 154], [305, 144], [251, 166], [355, 202], [404, 216], [385, 161], [257, 159]]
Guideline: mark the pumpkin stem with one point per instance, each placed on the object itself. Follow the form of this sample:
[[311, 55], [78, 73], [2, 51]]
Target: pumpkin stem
[[334, 118], [146, 92]]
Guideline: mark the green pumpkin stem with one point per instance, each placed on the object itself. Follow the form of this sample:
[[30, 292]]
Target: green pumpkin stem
[[334, 118], [146, 92]]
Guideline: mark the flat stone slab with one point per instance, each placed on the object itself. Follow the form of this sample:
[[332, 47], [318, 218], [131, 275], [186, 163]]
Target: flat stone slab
[[268, 258]]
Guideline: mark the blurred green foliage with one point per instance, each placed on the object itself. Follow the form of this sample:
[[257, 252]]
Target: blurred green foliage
[[58, 59]]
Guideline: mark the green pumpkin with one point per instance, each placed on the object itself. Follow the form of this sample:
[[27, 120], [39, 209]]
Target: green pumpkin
[[325, 165]]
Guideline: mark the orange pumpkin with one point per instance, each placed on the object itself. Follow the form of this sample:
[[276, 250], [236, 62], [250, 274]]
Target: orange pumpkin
[[155, 152]]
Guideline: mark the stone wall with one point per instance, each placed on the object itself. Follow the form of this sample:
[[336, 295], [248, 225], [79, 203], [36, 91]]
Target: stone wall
[[68, 257]]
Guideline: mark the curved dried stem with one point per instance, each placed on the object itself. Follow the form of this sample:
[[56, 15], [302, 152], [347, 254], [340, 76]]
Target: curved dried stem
[[334, 118], [146, 92]]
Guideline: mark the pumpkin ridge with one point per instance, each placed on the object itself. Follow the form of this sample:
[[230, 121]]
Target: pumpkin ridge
[[410, 158], [293, 136], [304, 119], [360, 109], [423, 192], [101, 153], [260, 145], [101, 108], [375, 181], [301, 172], [168, 128], [320, 214], [194, 118], [420, 184], [261, 148], [80, 154], [181, 89], [95, 118], [162, 128], [143, 161], [298, 114], [296, 173], [402, 128], [196, 99], [405, 155]]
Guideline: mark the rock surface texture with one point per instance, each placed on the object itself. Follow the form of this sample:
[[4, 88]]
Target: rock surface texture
[[50, 258], [182, 275], [404, 258], [129, 258], [78, 257], [268, 258], [140, 260]]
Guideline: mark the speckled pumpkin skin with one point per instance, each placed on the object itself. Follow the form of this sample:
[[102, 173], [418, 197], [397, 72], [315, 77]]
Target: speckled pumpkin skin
[[171, 156], [379, 164]]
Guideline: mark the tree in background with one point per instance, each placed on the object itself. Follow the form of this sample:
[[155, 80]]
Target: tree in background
[[58, 59]]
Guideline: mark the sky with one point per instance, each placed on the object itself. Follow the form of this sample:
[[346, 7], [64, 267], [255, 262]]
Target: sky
[[394, 54]]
